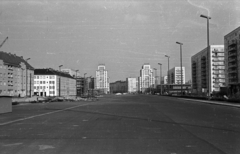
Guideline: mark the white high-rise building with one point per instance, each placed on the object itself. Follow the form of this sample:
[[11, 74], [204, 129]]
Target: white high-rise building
[[102, 82], [132, 85], [146, 79], [175, 75]]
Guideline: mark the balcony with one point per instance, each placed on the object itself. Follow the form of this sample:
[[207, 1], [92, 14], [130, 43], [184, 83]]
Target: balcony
[[218, 60], [232, 54], [218, 68], [218, 73], [232, 60], [216, 56], [232, 71], [218, 65], [232, 49], [219, 77], [232, 65], [232, 77], [232, 45], [218, 81]]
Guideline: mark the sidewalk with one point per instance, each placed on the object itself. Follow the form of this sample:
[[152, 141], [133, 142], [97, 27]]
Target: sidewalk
[[213, 102]]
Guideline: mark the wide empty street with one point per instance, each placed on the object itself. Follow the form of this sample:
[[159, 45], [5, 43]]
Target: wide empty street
[[126, 124]]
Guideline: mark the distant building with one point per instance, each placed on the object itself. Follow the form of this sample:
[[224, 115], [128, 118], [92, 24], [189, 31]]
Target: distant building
[[102, 82], [72, 72], [146, 79], [208, 66], [232, 60], [165, 80], [118, 87], [132, 85], [175, 75], [48, 81], [16, 75]]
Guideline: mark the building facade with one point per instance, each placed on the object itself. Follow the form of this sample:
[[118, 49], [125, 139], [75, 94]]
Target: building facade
[[208, 70], [48, 81], [118, 87], [232, 60], [175, 75], [16, 76], [164, 80], [146, 79], [102, 80], [132, 85]]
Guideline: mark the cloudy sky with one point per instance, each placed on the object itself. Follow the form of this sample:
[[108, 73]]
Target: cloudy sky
[[122, 34]]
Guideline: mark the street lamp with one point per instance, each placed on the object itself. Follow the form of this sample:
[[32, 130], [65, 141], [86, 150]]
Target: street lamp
[[76, 82], [27, 76], [181, 64], [155, 77], [160, 76], [60, 80], [208, 51], [84, 83], [168, 79]]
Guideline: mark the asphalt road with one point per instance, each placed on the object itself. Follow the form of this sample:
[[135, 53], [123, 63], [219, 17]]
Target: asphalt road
[[129, 124]]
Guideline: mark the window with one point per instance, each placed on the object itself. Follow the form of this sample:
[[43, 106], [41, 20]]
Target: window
[[40, 82]]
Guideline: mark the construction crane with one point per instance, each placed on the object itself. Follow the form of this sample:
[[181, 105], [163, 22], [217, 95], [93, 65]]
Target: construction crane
[[3, 42]]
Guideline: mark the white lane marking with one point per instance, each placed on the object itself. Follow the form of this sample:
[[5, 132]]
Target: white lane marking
[[13, 144], [44, 147], [39, 115], [209, 102]]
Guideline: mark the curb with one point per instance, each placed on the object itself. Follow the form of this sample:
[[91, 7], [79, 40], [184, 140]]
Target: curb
[[211, 102]]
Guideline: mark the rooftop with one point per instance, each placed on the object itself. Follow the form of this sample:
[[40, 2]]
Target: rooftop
[[50, 71]]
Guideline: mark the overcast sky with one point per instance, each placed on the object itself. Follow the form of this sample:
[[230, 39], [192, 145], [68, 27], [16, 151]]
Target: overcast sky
[[122, 34]]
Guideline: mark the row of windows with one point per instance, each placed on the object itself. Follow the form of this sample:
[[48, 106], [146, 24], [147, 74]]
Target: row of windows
[[44, 77], [44, 87], [44, 82]]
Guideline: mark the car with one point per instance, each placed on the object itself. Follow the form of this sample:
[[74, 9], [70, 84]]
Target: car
[[118, 94]]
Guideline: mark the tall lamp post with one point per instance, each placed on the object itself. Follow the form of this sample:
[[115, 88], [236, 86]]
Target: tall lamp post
[[208, 50], [181, 65], [155, 77], [84, 83], [168, 79], [160, 76], [59, 91], [27, 77], [76, 82]]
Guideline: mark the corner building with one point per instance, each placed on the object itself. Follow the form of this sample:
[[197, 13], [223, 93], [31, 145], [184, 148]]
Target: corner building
[[232, 60], [16, 75], [208, 70]]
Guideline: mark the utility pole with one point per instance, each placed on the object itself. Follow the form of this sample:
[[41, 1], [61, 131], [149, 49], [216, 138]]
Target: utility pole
[[168, 79], [76, 83], [27, 76], [181, 65], [208, 51], [60, 80], [160, 76]]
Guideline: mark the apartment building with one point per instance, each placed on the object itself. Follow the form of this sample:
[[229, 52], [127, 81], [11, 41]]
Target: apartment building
[[164, 80], [232, 60], [102, 80], [47, 83], [208, 70], [146, 79], [175, 75], [16, 75], [132, 85]]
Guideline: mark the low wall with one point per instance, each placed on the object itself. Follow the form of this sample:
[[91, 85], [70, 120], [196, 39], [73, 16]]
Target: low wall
[[5, 104]]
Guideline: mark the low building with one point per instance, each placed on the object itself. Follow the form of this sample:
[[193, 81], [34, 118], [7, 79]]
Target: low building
[[48, 81], [16, 75], [232, 60], [118, 87]]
